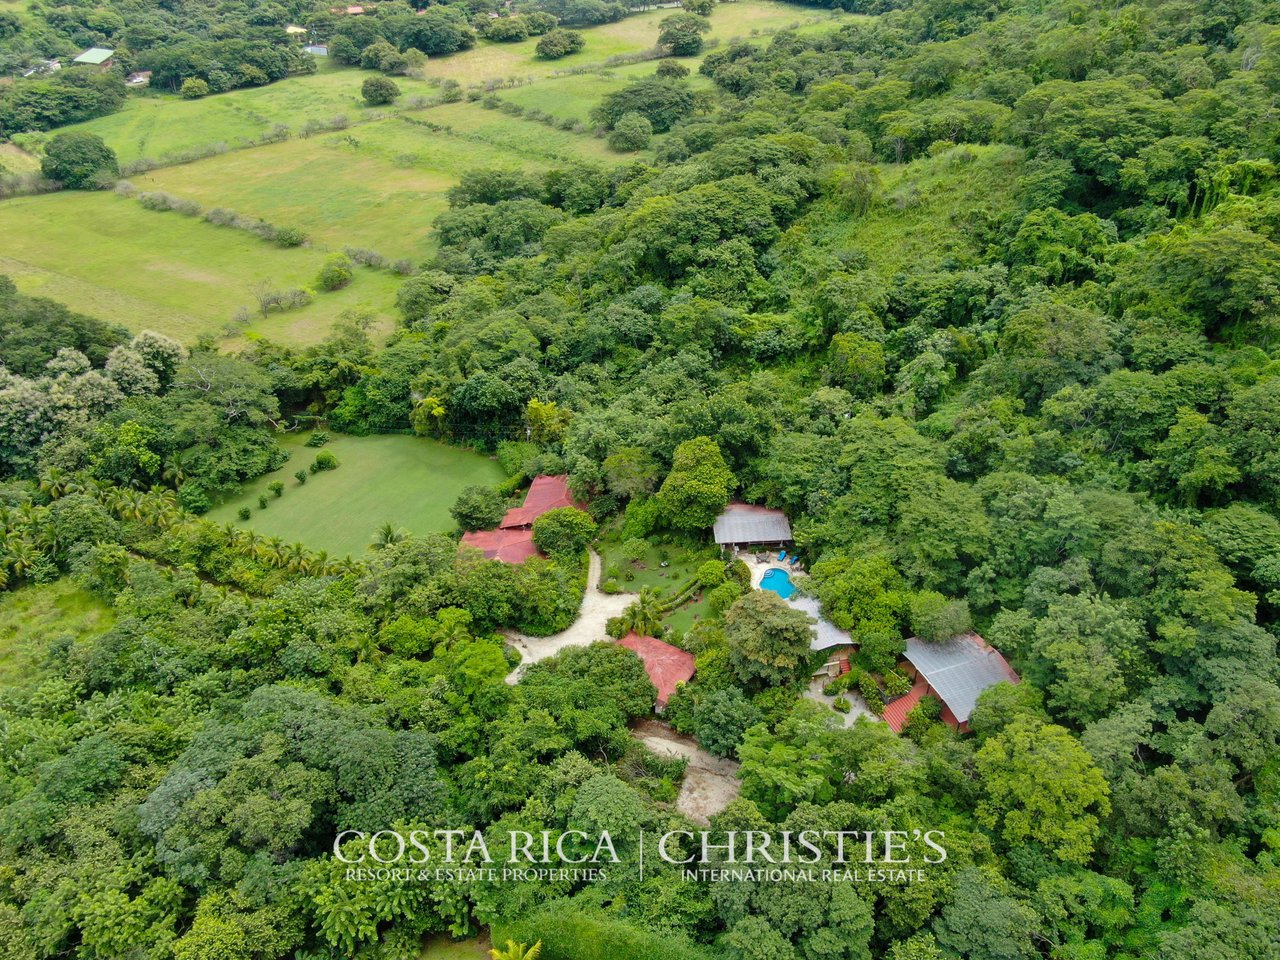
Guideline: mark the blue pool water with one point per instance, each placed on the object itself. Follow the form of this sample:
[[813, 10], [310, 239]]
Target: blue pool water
[[779, 581]]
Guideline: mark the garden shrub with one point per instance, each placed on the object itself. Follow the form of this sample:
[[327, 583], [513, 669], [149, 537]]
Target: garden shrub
[[325, 460]]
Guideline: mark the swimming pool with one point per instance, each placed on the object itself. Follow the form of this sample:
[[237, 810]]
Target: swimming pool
[[779, 581]]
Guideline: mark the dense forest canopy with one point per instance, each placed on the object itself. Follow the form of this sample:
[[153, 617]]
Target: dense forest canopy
[[983, 295]]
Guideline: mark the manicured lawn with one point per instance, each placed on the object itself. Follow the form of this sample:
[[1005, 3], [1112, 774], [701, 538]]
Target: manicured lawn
[[409, 481], [685, 616], [32, 618], [111, 258], [682, 563]]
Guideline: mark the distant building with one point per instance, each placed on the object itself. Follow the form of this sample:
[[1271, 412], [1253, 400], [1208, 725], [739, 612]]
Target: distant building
[[294, 30], [96, 57], [140, 79], [512, 541], [955, 672], [354, 10], [667, 666], [44, 66], [317, 49], [747, 525]]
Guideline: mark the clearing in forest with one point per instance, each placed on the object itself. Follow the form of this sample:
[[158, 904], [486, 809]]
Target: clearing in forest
[[408, 481]]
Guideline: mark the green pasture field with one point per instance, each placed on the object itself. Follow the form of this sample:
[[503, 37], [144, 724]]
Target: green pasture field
[[109, 257], [155, 124], [33, 618], [13, 159], [379, 185], [340, 189], [575, 96], [489, 130], [410, 481], [729, 21]]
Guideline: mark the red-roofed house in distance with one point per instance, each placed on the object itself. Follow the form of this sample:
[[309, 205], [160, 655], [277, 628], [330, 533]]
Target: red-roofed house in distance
[[667, 666], [512, 541]]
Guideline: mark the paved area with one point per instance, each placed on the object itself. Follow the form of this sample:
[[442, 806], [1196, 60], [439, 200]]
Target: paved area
[[710, 782], [857, 706], [596, 608]]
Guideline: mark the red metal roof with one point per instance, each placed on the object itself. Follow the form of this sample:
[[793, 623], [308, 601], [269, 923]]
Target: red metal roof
[[509, 546], [666, 665], [512, 542], [895, 713], [545, 493]]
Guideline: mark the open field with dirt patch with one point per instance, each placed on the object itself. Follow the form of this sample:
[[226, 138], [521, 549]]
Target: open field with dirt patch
[[710, 783]]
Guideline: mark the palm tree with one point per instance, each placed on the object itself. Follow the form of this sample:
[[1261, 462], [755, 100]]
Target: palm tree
[[178, 468], [645, 613], [54, 483], [22, 558], [273, 551], [517, 951], [346, 567], [133, 505], [388, 534], [295, 558]]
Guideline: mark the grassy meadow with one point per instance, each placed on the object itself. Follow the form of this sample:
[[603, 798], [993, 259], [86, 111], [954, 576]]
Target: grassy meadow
[[410, 481], [380, 183], [739, 20], [441, 947], [34, 618], [154, 124], [109, 257], [927, 206]]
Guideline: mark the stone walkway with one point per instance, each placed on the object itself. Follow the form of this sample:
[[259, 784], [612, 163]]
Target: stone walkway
[[857, 706], [596, 609]]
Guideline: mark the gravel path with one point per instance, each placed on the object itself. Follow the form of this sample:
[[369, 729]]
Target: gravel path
[[596, 608]]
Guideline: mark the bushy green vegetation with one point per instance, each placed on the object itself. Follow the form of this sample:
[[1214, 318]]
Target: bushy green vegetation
[[983, 298]]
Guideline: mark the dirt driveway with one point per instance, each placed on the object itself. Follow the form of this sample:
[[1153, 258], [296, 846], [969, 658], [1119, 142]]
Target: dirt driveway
[[710, 783], [596, 608]]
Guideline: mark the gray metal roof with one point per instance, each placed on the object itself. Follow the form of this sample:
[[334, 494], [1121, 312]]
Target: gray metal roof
[[959, 669], [825, 633], [747, 523]]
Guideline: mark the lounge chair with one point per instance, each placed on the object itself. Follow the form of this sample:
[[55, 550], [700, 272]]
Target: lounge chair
[[782, 554]]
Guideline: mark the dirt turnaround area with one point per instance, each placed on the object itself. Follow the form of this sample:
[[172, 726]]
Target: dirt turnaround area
[[710, 783]]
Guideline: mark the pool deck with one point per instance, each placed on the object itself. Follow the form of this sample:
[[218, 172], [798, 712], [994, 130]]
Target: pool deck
[[827, 634]]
